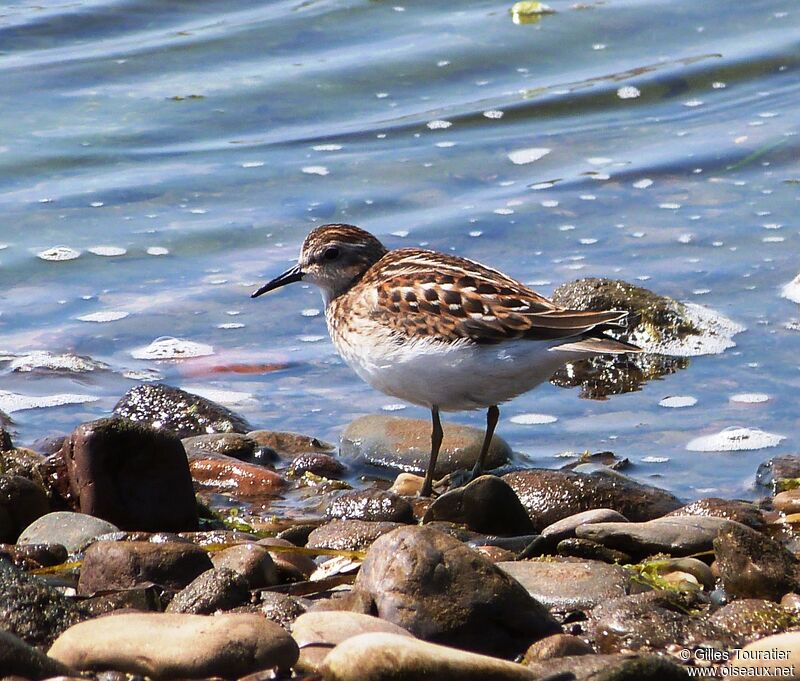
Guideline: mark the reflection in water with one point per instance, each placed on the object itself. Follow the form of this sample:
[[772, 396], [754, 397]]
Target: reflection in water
[[599, 377]]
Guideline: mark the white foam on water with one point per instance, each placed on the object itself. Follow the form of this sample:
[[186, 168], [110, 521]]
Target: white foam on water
[[143, 374], [791, 291], [716, 337], [231, 325], [439, 125], [327, 147], [628, 92], [655, 459], [644, 183], [533, 419], [523, 156], [228, 398], [157, 250], [42, 359], [172, 348], [735, 439], [103, 316], [311, 312], [395, 406], [310, 339], [749, 398], [493, 113], [11, 402], [59, 254], [316, 170], [107, 251], [678, 401]]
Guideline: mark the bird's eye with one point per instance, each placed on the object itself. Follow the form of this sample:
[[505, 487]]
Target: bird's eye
[[331, 253]]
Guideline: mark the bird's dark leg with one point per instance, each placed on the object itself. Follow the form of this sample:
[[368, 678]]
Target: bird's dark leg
[[492, 416], [436, 442]]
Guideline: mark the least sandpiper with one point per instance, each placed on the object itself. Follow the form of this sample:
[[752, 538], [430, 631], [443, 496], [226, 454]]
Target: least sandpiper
[[441, 331]]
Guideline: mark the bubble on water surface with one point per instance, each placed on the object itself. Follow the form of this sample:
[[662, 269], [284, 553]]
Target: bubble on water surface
[[157, 250], [310, 339], [691, 103], [172, 348], [644, 183], [523, 156], [493, 113], [628, 92], [327, 147], [439, 125], [252, 164], [655, 459], [395, 406], [12, 402], [311, 312], [735, 439], [533, 419], [316, 170], [678, 401], [230, 325], [103, 316], [107, 251], [749, 398], [59, 254]]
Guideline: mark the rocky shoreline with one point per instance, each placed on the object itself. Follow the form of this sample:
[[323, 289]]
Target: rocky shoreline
[[171, 540]]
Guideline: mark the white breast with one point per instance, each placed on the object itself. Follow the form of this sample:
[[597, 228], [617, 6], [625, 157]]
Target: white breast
[[453, 376]]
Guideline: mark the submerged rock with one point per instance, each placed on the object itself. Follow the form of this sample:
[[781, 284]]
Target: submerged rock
[[780, 473], [131, 475], [442, 591], [667, 330], [370, 504], [405, 445], [235, 445], [167, 645], [550, 495], [352, 535], [213, 590], [177, 411]]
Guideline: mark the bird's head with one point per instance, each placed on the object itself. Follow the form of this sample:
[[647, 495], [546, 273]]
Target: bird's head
[[333, 257]]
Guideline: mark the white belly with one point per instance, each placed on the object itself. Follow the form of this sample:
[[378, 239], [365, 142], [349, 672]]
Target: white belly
[[453, 377]]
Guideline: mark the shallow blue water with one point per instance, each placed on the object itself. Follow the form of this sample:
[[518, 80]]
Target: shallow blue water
[[192, 128]]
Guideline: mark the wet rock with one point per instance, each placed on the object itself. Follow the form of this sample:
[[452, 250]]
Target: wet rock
[[31, 609], [21, 502], [213, 590], [280, 608], [486, 505], [110, 565], [32, 556], [750, 618], [23, 462], [565, 528], [407, 484], [177, 411], [378, 656], [787, 502], [591, 550], [71, 530], [550, 495], [231, 476], [596, 460], [645, 621], [731, 509], [779, 474], [131, 475], [290, 443], [751, 565], [765, 657], [17, 658], [317, 633], [253, 562], [674, 535], [611, 667], [352, 535], [569, 585], [440, 590], [166, 645], [405, 445], [557, 645], [690, 566], [370, 504], [349, 601], [234, 445], [291, 566], [5, 437], [324, 465], [146, 599]]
